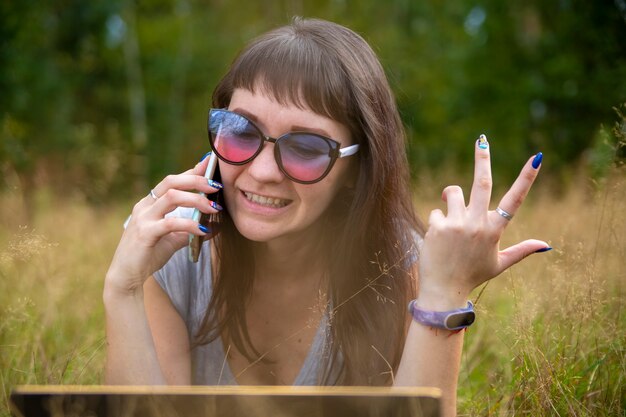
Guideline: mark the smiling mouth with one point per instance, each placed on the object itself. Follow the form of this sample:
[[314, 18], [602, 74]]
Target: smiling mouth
[[266, 201]]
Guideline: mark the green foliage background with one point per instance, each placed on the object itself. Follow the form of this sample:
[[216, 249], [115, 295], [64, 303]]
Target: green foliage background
[[99, 99], [101, 95]]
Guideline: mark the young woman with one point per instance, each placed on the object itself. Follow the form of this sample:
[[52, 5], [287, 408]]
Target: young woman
[[319, 251]]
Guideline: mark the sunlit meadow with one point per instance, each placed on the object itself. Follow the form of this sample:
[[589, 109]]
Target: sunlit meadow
[[550, 337]]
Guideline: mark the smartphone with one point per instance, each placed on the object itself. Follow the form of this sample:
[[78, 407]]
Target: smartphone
[[210, 221]]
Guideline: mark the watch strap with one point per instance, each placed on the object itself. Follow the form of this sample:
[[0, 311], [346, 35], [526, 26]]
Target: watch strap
[[456, 319]]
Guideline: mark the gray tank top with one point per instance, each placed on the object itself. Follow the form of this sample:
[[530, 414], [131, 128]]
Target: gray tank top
[[189, 287]]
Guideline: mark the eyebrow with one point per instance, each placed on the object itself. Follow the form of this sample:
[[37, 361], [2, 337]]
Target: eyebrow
[[294, 128]]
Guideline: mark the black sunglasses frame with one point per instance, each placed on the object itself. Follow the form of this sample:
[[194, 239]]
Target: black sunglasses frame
[[335, 152]]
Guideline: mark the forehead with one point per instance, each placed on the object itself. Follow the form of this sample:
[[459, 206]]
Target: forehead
[[276, 118]]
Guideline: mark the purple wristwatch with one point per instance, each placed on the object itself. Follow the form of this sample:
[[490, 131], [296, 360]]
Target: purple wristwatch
[[450, 320]]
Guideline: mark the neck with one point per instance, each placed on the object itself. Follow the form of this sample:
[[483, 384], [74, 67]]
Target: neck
[[294, 275], [285, 261]]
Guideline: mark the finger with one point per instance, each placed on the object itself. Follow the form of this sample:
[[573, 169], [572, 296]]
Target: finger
[[177, 240], [436, 216], [516, 195], [170, 225], [187, 182], [182, 181], [174, 198], [481, 188], [172, 231], [200, 178], [513, 254], [200, 167], [453, 195]]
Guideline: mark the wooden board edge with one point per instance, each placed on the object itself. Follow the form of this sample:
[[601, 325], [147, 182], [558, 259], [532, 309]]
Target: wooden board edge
[[231, 390]]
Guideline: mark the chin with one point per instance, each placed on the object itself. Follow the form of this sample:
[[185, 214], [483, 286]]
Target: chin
[[255, 232]]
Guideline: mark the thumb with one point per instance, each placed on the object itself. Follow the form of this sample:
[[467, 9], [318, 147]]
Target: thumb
[[513, 254]]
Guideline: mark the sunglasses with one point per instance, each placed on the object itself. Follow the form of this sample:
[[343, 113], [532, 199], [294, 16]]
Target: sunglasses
[[303, 157]]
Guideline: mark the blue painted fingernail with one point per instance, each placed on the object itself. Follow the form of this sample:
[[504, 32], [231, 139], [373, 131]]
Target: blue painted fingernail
[[543, 250], [482, 142], [204, 156], [537, 160], [215, 184], [204, 229], [215, 205]]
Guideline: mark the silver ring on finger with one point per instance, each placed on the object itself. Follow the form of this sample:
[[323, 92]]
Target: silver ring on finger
[[153, 195], [504, 214]]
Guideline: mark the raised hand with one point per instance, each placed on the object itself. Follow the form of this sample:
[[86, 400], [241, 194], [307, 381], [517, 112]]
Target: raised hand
[[150, 238], [461, 250]]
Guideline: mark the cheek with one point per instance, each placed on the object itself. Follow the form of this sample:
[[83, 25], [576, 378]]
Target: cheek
[[228, 173], [320, 195]]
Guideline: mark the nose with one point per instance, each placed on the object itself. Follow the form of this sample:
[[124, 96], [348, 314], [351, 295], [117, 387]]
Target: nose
[[264, 168]]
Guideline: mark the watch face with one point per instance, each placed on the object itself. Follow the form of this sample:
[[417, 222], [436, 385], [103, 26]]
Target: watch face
[[460, 320]]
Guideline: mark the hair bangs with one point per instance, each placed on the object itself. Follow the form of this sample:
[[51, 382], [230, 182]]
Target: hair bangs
[[295, 70]]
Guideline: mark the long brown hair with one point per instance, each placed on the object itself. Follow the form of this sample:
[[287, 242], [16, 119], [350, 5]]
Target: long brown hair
[[334, 72]]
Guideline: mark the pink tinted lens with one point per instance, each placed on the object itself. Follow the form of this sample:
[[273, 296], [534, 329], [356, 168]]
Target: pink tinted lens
[[304, 157], [234, 138]]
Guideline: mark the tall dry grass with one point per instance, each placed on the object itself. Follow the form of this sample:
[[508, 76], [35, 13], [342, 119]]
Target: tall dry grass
[[550, 338], [51, 275]]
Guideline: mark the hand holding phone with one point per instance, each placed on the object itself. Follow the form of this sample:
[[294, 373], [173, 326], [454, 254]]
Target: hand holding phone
[[208, 220]]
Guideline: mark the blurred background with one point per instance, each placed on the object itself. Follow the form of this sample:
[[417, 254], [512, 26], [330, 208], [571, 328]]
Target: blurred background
[[102, 98]]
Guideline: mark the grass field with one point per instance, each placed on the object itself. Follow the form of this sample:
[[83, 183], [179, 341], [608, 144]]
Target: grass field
[[550, 337]]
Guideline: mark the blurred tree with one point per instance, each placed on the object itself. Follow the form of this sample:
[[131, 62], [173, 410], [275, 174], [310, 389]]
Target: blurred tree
[[54, 105], [136, 98], [533, 76], [97, 96]]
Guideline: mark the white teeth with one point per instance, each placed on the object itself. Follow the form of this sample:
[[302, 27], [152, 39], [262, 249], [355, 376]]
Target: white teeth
[[266, 201]]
